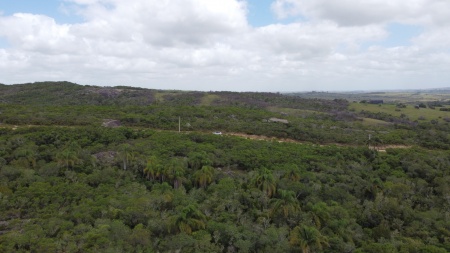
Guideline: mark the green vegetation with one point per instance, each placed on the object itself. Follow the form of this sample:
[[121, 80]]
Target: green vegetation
[[408, 111], [411, 96], [68, 184]]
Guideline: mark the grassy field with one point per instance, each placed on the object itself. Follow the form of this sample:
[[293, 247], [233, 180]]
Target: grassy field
[[392, 97], [208, 99], [159, 96], [374, 122], [411, 112], [293, 112], [408, 97]]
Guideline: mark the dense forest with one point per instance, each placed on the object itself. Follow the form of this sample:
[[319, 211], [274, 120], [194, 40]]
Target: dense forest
[[322, 177]]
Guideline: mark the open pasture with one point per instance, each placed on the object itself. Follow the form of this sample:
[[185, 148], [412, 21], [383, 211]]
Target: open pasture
[[410, 111], [387, 96]]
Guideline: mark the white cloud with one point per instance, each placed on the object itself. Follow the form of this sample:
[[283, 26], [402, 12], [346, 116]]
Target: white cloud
[[357, 13], [208, 44], [172, 23], [34, 32], [314, 39], [436, 39]]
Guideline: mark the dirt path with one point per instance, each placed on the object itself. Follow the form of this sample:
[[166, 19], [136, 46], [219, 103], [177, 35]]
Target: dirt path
[[380, 148], [263, 138]]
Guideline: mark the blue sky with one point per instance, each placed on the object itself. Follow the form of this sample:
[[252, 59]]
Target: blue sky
[[261, 45], [400, 34], [260, 13], [3, 43], [51, 8]]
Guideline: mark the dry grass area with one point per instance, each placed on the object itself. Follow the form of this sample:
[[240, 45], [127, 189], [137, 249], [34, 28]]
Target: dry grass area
[[374, 122], [293, 112], [380, 148], [208, 99], [159, 96], [264, 138]]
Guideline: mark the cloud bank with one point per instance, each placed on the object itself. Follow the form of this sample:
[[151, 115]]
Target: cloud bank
[[210, 45]]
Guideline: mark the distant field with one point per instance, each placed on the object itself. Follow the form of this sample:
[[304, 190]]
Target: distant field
[[294, 112], [208, 99], [399, 96], [374, 122], [159, 96], [411, 112], [408, 96]]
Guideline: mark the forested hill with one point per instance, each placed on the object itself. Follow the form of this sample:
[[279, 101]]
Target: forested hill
[[324, 175], [66, 93]]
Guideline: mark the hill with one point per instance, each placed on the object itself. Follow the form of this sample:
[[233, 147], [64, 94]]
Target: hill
[[288, 174], [312, 120], [66, 93]]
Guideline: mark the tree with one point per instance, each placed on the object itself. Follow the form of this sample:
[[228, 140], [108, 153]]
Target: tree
[[126, 155], [265, 181], [69, 156], [188, 220], [140, 237], [308, 239], [286, 203], [198, 159], [204, 176], [175, 172], [320, 214], [163, 196], [28, 154], [152, 170], [292, 172]]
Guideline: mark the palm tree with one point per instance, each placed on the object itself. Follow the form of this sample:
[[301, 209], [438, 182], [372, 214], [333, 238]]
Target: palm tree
[[308, 239], [320, 214], [175, 172], [126, 155], [374, 189], [204, 176], [152, 170], [286, 203], [188, 220], [68, 157], [265, 181], [292, 172], [93, 160]]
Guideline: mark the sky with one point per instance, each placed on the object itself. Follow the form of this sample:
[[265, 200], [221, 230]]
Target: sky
[[234, 45]]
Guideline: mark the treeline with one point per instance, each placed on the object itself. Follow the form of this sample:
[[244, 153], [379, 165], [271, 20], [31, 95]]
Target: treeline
[[93, 189], [311, 127]]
